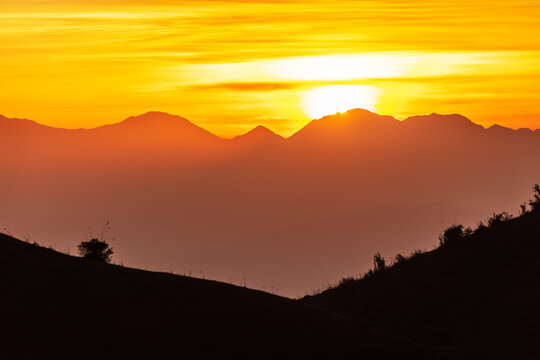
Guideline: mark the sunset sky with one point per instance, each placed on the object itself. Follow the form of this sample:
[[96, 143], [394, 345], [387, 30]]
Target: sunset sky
[[231, 65]]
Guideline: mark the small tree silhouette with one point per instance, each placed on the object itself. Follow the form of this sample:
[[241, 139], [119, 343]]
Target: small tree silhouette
[[451, 235], [399, 259], [499, 218], [95, 249], [535, 203], [523, 209], [379, 264], [480, 228]]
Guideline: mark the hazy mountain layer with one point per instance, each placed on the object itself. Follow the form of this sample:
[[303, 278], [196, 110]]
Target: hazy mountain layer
[[289, 214]]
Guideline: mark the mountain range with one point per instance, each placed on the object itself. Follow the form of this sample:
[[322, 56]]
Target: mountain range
[[280, 212]]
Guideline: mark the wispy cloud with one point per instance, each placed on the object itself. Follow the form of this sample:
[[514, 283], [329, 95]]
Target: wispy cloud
[[255, 86]]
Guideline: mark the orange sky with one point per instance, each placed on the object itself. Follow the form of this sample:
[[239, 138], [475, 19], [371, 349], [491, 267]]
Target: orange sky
[[231, 65]]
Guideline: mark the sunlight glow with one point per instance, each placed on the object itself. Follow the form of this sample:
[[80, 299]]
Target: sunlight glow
[[342, 67], [327, 100]]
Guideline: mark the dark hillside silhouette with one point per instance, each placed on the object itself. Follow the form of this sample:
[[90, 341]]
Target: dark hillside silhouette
[[475, 297], [59, 306]]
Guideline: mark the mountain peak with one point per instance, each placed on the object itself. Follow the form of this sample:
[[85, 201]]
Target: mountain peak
[[155, 116], [259, 135], [456, 118], [359, 112], [158, 122], [354, 115], [524, 131], [347, 124], [158, 129], [259, 132], [442, 122], [498, 129]]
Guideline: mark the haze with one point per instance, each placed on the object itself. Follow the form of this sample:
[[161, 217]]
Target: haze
[[290, 214]]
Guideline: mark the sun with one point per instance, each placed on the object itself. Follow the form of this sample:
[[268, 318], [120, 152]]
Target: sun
[[327, 100]]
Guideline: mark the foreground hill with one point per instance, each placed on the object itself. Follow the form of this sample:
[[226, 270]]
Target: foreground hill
[[477, 298], [56, 306], [473, 299]]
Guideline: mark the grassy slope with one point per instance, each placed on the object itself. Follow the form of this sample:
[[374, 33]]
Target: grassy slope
[[54, 304], [479, 298], [475, 299]]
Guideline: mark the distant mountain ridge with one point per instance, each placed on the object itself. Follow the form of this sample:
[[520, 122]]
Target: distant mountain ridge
[[350, 120]]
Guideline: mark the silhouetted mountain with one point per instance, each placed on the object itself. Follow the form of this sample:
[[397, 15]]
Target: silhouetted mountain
[[141, 136], [259, 138], [20, 125], [259, 134], [24, 132], [157, 126], [454, 124], [500, 130], [353, 125], [59, 306], [151, 124], [474, 299]]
